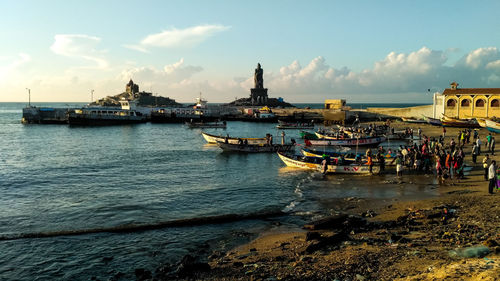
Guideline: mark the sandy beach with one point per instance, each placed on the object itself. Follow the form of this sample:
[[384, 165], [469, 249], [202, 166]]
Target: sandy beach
[[454, 236]]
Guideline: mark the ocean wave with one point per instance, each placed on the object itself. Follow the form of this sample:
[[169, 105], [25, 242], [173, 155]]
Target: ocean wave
[[152, 226]]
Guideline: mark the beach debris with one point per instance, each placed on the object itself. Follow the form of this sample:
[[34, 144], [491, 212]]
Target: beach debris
[[369, 214], [470, 252]]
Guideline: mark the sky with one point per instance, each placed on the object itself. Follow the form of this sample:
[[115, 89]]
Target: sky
[[361, 51]]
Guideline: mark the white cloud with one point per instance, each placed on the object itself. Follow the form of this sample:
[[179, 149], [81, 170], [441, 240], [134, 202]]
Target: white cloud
[[172, 73], [178, 38], [481, 57], [79, 46], [136, 48]]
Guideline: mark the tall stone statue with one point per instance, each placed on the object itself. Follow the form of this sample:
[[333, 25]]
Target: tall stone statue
[[258, 77]]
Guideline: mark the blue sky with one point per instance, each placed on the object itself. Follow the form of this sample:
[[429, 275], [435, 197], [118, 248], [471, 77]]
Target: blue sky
[[364, 51]]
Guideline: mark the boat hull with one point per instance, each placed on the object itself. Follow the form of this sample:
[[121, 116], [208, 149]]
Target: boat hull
[[492, 126], [461, 123], [254, 148], [332, 169], [372, 141], [214, 139]]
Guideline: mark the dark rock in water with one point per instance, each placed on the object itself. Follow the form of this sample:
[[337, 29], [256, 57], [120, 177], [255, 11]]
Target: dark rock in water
[[142, 274], [189, 265]]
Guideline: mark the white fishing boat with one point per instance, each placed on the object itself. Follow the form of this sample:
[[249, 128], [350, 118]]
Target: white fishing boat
[[254, 148], [314, 163], [492, 126], [214, 139], [368, 141]]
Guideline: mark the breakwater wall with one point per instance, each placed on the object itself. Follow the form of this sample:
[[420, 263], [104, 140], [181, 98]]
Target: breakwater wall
[[414, 111]]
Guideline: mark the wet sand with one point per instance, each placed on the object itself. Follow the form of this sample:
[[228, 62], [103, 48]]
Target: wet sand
[[397, 239]]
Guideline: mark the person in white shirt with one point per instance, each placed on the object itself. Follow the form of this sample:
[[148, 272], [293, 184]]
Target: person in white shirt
[[492, 176]]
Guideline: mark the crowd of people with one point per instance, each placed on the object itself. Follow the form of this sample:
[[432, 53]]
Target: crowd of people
[[445, 159]]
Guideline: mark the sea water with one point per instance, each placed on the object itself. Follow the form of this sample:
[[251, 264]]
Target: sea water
[[95, 192]]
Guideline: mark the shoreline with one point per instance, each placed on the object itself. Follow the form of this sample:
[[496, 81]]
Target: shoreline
[[378, 239]]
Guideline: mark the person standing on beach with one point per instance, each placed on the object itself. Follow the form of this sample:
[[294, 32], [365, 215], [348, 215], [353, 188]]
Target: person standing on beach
[[492, 176], [486, 163], [478, 143], [488, 142], [369, 162], [399, 166], [324, 165], [492, 145], [444, 132], [475, 151]]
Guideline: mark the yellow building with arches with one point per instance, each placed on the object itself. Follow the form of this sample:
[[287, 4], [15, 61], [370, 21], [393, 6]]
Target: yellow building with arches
[[467, 103]]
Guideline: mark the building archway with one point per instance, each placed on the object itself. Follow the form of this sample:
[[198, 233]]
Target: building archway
[[451, 103], [465, 103], [480, 103], [495, 103]]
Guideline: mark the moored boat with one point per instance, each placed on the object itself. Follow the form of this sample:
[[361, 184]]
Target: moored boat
[[307, 135], [492, 126], [214, 139], [350, 156], [314, 163], [254, 148], [412, 120], [433, 121], [462, 123], [283, 125], [193, 125], [99, 116], [368, 141]]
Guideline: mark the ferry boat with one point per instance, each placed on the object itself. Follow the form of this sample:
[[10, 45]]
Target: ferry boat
[[99, 116]]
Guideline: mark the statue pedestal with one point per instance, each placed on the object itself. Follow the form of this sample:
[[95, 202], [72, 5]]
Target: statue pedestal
[[258, 96]]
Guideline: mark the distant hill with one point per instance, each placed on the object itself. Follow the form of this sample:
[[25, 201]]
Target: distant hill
[[144, 98]]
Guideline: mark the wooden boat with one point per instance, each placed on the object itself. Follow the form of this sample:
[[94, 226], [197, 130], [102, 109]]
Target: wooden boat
[[462, 123], [254, 148], [193, 125], [413, 120], [369, 141], [214, 139], [284, 125], [333, 136], [481, 122], [314, 163], [349, 156], [433, 121], [308, 135], [492, 126]]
